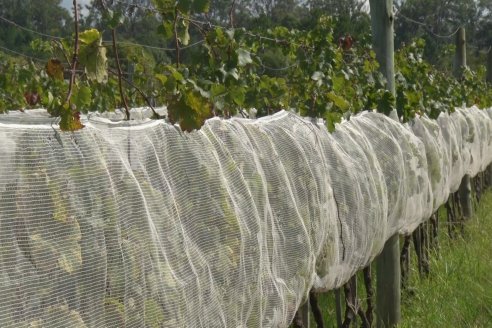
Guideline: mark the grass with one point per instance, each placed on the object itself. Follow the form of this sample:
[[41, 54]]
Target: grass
[[458, 290]]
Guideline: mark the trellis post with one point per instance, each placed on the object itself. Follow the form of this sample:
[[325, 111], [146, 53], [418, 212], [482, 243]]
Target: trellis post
[[489, 80], [489, 65], [460, 54], [388, 281], [460, 64]]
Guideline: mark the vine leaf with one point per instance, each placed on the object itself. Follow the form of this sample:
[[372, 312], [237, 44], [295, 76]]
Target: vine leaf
[[243, 57], [166, 29], [183, 32], [237, 95], [190, 110], [82, 97], [70, 121], [339, 101], [93, 55], [331, 119], [386, 102], [54, 69]]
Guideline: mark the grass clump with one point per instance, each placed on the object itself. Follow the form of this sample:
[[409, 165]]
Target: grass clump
[[458, 290]]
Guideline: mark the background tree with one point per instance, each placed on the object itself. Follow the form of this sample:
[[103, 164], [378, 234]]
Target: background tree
[[433, 20], [351, 16], [45, 16]]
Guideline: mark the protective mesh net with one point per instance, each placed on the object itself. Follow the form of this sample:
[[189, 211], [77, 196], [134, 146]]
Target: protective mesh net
[[137, 224]]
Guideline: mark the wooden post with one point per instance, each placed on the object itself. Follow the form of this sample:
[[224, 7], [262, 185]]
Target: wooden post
[[315, 309], [388, 277], [489, 65], [305, 314], [460, 64], [301, 318], [488, 172], [388, 274], [460, 55], [382, 39], [465, 197], [338, 307]]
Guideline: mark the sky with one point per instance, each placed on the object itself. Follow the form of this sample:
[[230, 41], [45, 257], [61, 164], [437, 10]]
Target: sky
[[68, 3]]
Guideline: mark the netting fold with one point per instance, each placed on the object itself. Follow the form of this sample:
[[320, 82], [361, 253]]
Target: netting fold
[[138, 224]]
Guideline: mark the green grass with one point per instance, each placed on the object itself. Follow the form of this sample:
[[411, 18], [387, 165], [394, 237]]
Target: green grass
[[458, 290]]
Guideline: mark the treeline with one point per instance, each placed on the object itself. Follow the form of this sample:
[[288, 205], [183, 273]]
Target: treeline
[[431, 20]]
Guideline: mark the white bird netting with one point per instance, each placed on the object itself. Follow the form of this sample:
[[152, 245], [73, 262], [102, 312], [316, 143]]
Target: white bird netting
[[137, 224]]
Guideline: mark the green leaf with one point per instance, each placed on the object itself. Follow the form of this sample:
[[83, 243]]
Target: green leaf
[[218, 90], [339, 101], [93, 56], [243, 57], [386, 102], [82, 97], [370, 66], [331, 119], [177, 75], [338, 83], [161, 78], [170, 84], [183, 32], [199, 89], [89, 36], [166, 29], [189, 109], [238, 95], [70, 121]]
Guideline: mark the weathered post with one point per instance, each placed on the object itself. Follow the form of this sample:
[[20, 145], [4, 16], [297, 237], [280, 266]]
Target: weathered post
[[460, 54], [338, 307], [488, 174], [388, 297], [301, 319], [489, 65], [460, 64], [382, 38]]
